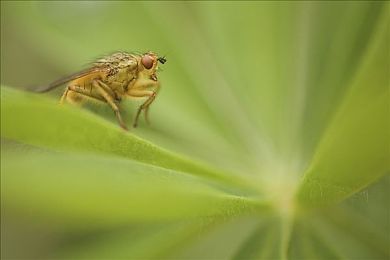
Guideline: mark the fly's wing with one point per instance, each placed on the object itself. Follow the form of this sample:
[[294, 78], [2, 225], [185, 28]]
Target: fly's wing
[[66, 79]]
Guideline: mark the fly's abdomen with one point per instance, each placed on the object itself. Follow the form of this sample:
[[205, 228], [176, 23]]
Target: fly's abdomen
[[83, 88]]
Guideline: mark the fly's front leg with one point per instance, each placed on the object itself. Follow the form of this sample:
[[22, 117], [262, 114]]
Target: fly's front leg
[[140, 90], [110, 100], [150, 101], [142, 93]]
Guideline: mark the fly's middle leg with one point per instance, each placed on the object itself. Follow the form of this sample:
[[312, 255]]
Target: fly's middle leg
[[109, 99]]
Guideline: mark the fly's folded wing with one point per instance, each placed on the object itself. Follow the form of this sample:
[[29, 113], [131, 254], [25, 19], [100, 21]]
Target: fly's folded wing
[[68, 78]]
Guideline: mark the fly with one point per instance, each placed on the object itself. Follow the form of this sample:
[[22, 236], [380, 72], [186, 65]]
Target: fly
[[112, 78]]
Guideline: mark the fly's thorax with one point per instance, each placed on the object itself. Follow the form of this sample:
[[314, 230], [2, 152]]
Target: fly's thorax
[[119, 60], [120, 74], [119, 66]]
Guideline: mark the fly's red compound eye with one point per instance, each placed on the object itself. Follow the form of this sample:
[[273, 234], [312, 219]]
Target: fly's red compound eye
[[147, 61]]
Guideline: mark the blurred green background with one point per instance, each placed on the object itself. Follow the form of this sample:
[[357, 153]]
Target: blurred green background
[[288, 100]]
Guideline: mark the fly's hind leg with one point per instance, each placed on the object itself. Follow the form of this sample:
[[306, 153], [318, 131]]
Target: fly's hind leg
[[72, 95], [109, 99], [81, 92], [64, 96]]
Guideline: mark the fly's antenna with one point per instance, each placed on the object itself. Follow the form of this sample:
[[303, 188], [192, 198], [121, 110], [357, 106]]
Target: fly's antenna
[[162, 59]]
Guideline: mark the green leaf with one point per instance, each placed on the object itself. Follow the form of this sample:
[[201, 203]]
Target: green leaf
[[37, 120], [354, 150], [269, 139], [91, 190]]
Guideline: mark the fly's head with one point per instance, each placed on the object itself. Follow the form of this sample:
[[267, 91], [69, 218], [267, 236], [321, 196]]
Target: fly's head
[[149, 64]]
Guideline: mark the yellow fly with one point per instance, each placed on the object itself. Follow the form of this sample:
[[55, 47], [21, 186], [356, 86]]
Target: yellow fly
[[112, 78]]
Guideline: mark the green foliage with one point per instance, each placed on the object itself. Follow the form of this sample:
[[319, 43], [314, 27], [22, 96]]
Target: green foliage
[[357, 139], [269, 139]]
